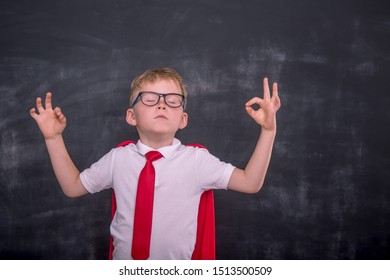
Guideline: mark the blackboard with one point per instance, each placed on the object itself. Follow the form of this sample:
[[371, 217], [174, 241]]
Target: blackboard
[[327, 191]]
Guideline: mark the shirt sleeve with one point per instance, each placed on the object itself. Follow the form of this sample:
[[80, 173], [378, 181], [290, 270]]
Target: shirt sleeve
[[98, 177], [211, 172]]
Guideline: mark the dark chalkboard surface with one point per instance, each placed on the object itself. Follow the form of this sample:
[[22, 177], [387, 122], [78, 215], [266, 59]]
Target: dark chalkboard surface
[[327, 192]]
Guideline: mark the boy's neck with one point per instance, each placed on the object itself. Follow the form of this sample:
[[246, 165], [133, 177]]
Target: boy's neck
[[157, 142]]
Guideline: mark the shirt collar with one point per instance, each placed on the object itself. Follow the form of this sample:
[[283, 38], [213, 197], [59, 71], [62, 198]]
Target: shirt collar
[[166, 151]]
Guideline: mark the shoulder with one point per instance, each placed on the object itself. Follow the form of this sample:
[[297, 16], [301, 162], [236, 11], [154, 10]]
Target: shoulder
[[196, 146], [189, 151], [194, 149], [198, 151], [125, 149], [126, 143]]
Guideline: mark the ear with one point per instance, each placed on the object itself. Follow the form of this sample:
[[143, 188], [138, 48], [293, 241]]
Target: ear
[[130, 117], [184, 121]]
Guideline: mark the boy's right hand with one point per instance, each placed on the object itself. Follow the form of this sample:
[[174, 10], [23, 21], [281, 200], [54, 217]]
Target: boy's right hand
[[51, 122]]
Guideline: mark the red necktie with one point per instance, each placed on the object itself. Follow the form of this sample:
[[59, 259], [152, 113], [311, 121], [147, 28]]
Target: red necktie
[[144, 209]]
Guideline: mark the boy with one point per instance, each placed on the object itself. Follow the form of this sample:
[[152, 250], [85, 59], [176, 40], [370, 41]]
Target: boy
[[157, 110]]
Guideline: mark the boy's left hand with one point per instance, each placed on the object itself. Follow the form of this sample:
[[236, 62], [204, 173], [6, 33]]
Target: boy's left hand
[[266, 114]]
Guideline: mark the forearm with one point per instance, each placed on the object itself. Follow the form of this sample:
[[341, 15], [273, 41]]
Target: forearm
[[257, 166], [251, 179], [66, 172]]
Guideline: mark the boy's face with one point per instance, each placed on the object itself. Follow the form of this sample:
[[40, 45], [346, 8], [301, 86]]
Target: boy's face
[[160, 120]]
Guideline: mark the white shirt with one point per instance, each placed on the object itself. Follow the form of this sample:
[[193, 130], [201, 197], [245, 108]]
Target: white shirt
[[181, 176]]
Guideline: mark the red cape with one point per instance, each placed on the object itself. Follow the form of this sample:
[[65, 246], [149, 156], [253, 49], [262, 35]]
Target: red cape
[[205, 235]]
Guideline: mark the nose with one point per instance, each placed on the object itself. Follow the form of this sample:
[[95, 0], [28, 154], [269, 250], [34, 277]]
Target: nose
[[161, 103]]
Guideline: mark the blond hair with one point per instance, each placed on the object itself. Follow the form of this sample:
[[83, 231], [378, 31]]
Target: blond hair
[[153, 75]]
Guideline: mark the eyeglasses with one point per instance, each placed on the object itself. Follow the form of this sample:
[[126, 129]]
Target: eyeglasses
[[150, 98]]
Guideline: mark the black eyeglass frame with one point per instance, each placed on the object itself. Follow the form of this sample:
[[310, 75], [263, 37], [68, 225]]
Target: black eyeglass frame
[[164, 95]]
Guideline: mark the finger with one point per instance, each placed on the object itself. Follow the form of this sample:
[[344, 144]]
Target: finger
[[250, 111], [277, 102], [266, 89], [57, 111], [33, 113], [275, 96], [254, 100], [275, 89], [59, 114], [48, 101], [39, 105], [62, 118]]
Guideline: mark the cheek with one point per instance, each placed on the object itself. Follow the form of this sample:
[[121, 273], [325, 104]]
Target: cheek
[[140, 117]]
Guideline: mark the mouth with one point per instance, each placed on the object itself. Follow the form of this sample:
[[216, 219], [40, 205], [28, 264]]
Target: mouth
[[161, 117]]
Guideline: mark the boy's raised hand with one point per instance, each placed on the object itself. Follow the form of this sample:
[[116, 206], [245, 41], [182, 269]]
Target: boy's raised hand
[[266, 114], [51, 122]]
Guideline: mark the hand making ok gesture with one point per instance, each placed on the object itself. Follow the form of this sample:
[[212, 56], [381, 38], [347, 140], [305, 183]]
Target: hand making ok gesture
[[266, 114], [51, 122]]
